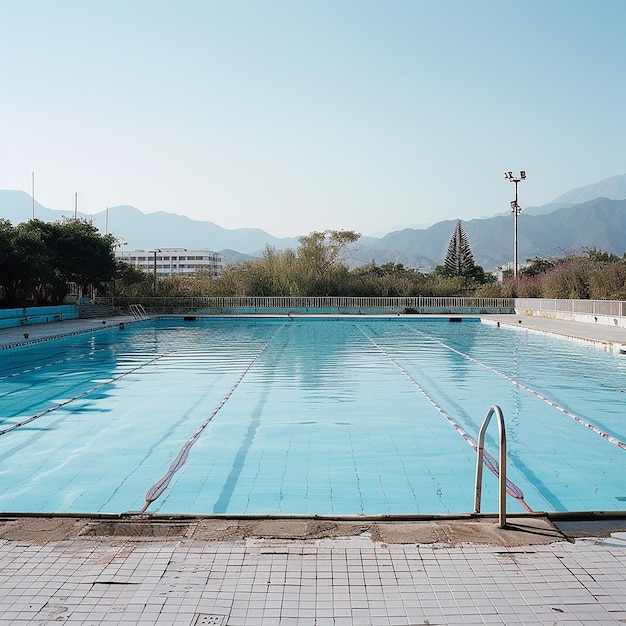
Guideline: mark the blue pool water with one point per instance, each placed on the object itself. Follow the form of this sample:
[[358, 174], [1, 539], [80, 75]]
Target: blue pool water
[[339, 416]]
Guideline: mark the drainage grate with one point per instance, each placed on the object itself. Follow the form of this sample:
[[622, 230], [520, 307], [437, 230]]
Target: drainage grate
[[204, 619]]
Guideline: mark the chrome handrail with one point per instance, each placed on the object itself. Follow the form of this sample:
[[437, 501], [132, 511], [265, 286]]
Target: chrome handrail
[[502, 464], [137, 311]]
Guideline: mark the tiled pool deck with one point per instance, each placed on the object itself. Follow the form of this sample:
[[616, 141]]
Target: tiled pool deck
[[329, 582], [396, 572], [130, 581]]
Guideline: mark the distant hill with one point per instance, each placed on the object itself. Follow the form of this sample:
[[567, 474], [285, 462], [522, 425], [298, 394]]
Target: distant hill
[[232, 256], [143, 231], [17, 207], [148, 231], [613, 188], [600, 223], [560, 227]]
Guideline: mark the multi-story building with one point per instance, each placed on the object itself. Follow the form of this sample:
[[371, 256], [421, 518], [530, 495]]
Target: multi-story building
[[164, 262]]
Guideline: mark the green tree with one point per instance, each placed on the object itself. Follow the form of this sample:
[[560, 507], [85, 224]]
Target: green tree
[[536, 266], [130, 281], [321, 261], [26, 266], [459, 259], [82, 254], [38, 259], [388, 280], [600, 255], [459, 262]]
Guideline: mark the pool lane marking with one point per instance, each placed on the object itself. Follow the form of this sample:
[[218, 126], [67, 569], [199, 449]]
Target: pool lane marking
[[489, 461], [591, 426], [157, 489], [59, 405], [35, 368]]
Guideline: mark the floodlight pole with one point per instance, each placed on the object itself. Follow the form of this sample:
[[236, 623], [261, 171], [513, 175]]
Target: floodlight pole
[[516, 209], [154, 283]]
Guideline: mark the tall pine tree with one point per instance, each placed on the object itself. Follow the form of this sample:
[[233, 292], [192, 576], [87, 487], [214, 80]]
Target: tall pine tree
[[459, 259]]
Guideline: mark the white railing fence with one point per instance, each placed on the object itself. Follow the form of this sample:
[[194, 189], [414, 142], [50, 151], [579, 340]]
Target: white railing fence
[[611, 312], [335, 304], [598, 311]]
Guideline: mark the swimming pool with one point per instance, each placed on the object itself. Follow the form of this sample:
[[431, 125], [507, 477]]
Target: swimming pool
[[307, 416]]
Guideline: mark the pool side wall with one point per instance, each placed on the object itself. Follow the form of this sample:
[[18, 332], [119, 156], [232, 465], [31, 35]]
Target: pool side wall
[[25, 316]]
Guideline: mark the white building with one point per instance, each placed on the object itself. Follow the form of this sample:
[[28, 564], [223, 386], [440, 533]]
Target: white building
[[167, 261], [508, 267]]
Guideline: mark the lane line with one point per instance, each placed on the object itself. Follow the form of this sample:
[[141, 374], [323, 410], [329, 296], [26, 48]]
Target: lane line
[[489, 461], [35, 368], [590, 425], [76, 397], [156, 490]]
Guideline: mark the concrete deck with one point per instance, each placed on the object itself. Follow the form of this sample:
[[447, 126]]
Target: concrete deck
[[609, 337], [188, 571], [23, 335]]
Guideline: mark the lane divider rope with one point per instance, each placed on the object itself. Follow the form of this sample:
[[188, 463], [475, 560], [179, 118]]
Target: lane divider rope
[[489, 461], [76, 397], [41, 366], [156, 490], [590, 425]]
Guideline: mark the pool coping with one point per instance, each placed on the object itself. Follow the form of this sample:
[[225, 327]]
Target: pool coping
[[268, 530]]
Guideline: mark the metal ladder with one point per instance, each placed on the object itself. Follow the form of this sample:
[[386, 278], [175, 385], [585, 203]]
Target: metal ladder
[[137, 311], [502, 463]]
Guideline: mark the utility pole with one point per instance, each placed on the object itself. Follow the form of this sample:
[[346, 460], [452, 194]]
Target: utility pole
[[154, 284], [516, 209]]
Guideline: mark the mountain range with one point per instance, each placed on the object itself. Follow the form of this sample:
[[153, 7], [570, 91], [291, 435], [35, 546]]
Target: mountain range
[[593, 216]]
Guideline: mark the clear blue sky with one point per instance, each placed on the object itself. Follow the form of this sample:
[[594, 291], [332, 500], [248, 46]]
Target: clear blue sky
[[299, 115]]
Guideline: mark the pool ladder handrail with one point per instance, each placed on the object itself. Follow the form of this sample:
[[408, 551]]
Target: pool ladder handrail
[[137, 311], [502, 463]]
